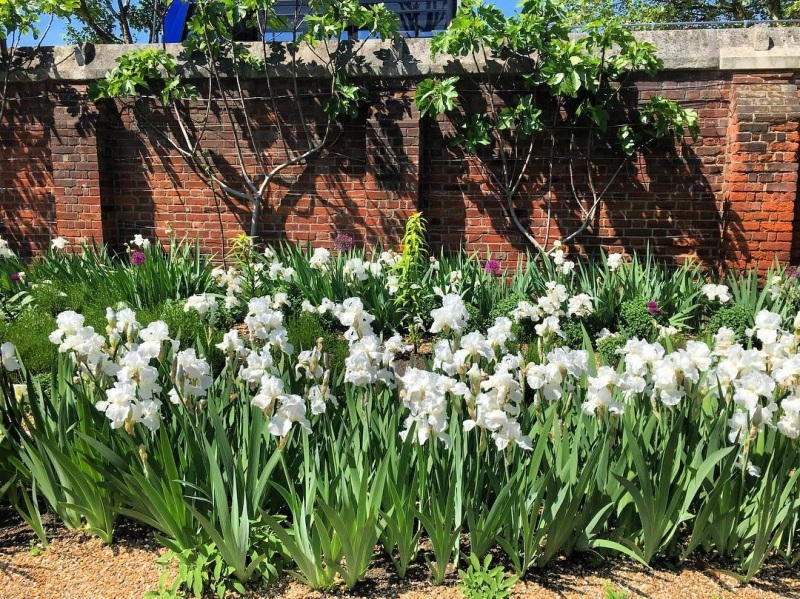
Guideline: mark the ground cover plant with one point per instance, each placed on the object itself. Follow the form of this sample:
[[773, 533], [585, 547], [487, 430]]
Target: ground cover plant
[[262, 418]]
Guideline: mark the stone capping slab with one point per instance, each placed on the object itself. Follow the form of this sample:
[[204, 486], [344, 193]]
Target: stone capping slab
[[745, 59], [756, 48]]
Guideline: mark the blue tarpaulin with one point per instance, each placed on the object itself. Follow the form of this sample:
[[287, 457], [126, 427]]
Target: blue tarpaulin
[[416, 17], [175, 22]]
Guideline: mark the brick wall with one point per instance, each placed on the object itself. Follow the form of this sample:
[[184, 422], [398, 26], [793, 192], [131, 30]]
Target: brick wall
[[26, 188], [78, 170], [364, 183], [669, 197], [760, 174]]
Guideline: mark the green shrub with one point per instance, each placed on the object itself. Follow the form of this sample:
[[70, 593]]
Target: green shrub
[[49, 297], [329, 322], [56, 297], [506, 306], [477, 320], [213, 354], [533, 354], [636, 321], [227, 317], [304, 330], [29, 333], [95, 315], [607, 348], [676, 341], [337, 349], [191, 329], [735, 317], [186, 326], [296, 297], [596, 322], [524, 331], [426, 304], [573, 329], [45, 381]]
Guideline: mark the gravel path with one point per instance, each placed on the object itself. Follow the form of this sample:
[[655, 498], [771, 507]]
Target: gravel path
[[78, 566]]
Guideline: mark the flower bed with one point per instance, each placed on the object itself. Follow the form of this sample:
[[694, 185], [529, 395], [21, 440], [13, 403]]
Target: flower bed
[[276, 414], [128, 568]]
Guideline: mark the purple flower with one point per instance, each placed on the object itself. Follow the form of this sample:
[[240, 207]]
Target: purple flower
[[492, 267], [653, 308], [15, 276], [343, 242], [138, 258]]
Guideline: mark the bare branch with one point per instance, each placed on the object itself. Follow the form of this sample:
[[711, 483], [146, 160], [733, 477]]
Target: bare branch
[[228, 113], [107, 37]]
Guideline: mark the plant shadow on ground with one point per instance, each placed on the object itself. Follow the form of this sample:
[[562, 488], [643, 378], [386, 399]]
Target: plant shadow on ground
[[14, 534], [564, 575]]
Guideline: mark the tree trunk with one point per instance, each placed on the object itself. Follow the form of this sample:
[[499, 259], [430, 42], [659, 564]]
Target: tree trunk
[[775, 9]]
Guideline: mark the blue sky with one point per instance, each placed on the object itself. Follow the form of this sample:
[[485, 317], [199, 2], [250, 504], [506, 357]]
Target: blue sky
[[54, 36]]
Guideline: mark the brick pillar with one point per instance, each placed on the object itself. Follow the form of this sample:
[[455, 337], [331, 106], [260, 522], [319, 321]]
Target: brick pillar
[[760, 179], [76, 175], [27, 216]]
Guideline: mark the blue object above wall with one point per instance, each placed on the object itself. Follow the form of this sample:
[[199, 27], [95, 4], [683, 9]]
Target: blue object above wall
[[417, 17]]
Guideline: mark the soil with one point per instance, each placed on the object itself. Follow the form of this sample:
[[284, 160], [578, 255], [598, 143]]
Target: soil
[[79, 566]]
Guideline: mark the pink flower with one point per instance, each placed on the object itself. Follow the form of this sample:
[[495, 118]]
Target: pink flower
[[492, 267], [138, 258], [653, 308], [343, 242]]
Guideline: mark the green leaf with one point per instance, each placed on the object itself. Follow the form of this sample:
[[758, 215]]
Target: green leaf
[[436, 96]]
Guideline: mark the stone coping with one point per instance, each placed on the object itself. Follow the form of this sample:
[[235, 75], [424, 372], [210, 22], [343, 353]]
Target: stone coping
[[758, 48]]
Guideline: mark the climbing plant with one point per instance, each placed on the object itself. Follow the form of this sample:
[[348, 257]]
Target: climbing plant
[[572, 86], [212, 40], [19, 18]]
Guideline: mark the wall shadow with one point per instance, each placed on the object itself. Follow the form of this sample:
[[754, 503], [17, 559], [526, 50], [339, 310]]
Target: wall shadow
[[127, 163], [27, 202], [357, 184], [667, 199]]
